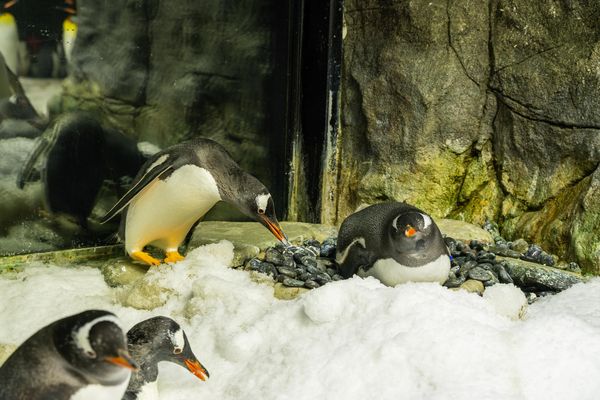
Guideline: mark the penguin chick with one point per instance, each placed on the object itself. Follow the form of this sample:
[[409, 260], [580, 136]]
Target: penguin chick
[[152, 341], [81, 356], [393, 242], [176, 187]]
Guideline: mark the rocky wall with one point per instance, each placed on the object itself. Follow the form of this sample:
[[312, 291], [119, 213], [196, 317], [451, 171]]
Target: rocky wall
[[477, 110]]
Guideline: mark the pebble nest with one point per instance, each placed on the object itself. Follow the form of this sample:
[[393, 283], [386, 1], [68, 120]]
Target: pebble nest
[[312, 264]]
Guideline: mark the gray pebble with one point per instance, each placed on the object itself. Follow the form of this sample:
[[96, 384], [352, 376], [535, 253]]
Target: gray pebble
[[287, 271], [480, 274], [455, 281], [331, 271], [503, 276], [311, 284], [337, 277], [292, 282]]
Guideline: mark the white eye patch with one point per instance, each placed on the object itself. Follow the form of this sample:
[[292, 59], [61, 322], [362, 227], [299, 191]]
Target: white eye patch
[[262, 200], [82, 335], [177, 339], [426, 221]]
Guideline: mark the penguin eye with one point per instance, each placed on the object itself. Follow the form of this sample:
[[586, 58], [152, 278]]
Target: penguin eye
[[177, 350], [261, 211], [90, 353]]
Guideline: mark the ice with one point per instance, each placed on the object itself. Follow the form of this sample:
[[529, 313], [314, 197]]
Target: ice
[[507, 299], [352, 339]]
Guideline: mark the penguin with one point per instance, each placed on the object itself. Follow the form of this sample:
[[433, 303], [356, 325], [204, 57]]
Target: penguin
[[152, 341], [9, 38], [80, 153], [68, 37], [83, 356], [393, 242], [176, 187]]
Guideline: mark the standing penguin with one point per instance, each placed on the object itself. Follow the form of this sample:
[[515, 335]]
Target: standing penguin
[[395, 243], [9, 38], [152, 341], [176, 187], [83, 356]]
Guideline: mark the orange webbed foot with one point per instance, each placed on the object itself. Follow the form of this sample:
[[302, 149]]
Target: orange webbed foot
[[144, 257], [173, 257]]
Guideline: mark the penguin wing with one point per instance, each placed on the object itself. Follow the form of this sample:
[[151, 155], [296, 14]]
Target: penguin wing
[[157, 168]]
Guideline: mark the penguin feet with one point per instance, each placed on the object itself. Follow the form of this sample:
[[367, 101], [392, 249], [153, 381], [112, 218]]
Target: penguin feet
[[144, 257], [173, 256]]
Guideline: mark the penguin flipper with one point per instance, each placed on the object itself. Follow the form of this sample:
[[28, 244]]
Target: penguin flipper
[[26, 172], [141, 183]]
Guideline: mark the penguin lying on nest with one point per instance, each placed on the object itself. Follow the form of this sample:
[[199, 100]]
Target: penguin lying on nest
[[83, 356], [152, 341], [393, 242], [176, 187]]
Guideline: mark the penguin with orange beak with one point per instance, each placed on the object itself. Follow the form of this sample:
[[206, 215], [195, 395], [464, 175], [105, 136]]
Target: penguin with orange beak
[[83, 356], [176, 187], [153, 341], [393, 242]]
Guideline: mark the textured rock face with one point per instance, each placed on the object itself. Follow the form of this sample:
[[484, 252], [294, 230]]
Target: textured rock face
[[477, 112]]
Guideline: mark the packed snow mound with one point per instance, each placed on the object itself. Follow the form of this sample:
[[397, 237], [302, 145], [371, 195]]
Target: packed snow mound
[[351, 339]]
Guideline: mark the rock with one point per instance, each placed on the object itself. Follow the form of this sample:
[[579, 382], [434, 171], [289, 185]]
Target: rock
[[471, 286], [283, 292], [480, 274], [463, 231], [526, 274], [504, 251], [121, 271], [455, 281], [145, 295], [520, 246]]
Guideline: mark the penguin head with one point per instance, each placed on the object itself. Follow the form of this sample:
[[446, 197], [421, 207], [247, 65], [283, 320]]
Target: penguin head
[[162, 339], [93, 344], [411, 232], [255, 201]]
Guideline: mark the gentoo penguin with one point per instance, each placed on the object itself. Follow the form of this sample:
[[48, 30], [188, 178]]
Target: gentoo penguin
[[395, 243], [152, 341], [9, 38], [176, 187], [80, 153], [83, 356]]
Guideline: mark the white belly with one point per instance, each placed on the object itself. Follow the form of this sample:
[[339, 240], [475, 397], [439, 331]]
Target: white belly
[[99, 392], [148, 392], [9, 44], [164, 211], [391, 273]]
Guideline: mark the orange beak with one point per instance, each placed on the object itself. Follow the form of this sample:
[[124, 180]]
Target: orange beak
[[10, 4], [197, 369], [124, 361], [275, 230], [410, 231]]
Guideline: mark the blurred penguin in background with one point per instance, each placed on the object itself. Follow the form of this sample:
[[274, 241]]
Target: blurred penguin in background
[[9, 37]]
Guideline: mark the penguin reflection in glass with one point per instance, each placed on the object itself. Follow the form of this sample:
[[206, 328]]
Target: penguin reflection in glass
[[176, 187], [393, 242], [83, 356], [152, 341]]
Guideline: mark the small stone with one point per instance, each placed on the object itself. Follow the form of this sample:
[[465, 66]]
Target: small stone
[[304, 276], [531, 297], [504, 251], [331, 271], [476, 245], [486, 266], [473, 286], [253, 264], [287, 271], [520, 246], [466, 267], [311, 243], [306, 260], [323, 278], [573, 267], [337, 277], [454, 281], [483, 256], [492, 281], [292, 282], [311, 284], [312, 269], [503, 276], [274, 256], [459, 260], [480, 274]]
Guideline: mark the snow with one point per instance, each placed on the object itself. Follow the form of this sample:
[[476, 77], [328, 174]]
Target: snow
[[353, 339]]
